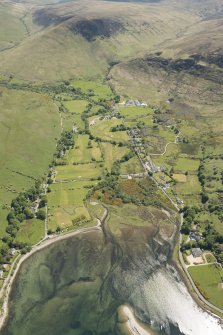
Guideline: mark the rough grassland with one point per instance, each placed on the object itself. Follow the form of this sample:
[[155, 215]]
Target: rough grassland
[[138, 216], [56, 53], [12, 30], [208, 279]]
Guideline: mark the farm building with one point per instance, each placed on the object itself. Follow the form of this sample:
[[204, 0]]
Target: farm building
[[196, 252]]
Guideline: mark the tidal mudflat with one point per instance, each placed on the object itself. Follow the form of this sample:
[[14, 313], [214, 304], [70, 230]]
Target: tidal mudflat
[[77, 285]]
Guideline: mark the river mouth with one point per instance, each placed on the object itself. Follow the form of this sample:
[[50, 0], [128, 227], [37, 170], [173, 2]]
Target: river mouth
[[76, 286]]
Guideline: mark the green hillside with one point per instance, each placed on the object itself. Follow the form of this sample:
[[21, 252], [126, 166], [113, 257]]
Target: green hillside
[[69, 46], [29, 125]]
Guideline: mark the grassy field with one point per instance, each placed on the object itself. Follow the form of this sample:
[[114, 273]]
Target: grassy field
[[84, 151], [170, 157], [66, 205], [31, 232], [157, 138], [187, 164], [112, 153], [173, 159], [29, 126], [191, 186], [3, 220], [97, 89], [69, 120], [73, 185], [132, 166], [121, 217], [180, 177], [208, 279], [134, 113], [64, 197], [71, 172], [147, 121], [213, 172], [76, 106], [102, 129]]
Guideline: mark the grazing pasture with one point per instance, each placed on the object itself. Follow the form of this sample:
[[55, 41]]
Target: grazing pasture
[[97, 89], [66, 207], [131, 166], [29, 128], [112, 153], [103, 129], [84, 151], [75, 106], [31, 232], [208, 279], [72, 172], [135, 113]]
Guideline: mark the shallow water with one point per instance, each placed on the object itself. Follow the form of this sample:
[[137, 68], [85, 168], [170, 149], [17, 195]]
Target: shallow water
[[75, 286]]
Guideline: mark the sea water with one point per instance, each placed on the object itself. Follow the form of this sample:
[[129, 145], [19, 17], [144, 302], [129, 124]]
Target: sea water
[[76, 286]]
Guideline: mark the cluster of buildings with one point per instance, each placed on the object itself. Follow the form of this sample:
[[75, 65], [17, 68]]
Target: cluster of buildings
[[137, 142], [135, 103], [75, 129], [35, 206], [151, 167], [5, 267], [135, 137], [193, 236]]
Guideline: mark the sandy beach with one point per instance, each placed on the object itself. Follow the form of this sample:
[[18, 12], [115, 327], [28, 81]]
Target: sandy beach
[[129, 324]]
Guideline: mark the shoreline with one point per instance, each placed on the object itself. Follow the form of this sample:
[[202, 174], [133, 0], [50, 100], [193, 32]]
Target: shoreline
[[129, 324], [194, 292], [178, 263], [7, 286], [132, 325]]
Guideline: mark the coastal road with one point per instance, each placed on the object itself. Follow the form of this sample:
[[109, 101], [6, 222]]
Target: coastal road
[[215, 308]]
